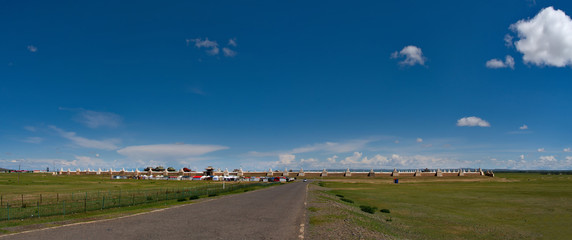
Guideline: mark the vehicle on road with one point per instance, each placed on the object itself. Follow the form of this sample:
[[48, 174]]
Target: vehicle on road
[[305, 180]]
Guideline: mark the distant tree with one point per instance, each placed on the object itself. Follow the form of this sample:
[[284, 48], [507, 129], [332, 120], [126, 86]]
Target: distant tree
[[186, 170], [147, 169], [159, 169], [171, 169]]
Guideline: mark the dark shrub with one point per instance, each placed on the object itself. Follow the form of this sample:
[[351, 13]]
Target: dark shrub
[[213, 194], [368, 209], [347, 200], [339, 195], [193, 197], [182, 199], [149, 198], [385, 210], [246, 190]]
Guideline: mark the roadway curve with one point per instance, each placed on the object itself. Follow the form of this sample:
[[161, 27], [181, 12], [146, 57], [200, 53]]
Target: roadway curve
[[272, 213]]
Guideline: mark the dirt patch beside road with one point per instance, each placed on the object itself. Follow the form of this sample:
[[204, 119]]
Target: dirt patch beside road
[[331, 219]]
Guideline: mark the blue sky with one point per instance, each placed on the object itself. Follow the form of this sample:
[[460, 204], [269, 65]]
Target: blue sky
[[267, 84]]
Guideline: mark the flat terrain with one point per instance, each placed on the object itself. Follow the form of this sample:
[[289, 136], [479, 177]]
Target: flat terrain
[[509, 206], [273, 213]]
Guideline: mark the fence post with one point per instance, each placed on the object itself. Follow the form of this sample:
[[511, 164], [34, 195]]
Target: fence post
[[64, 208], [38, 207], [57, 197], [22, 199], [8, 210], [85, 203]]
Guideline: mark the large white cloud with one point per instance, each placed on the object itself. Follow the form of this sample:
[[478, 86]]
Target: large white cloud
[[472, 122], [168, 151], [412, 55], [545, 39]]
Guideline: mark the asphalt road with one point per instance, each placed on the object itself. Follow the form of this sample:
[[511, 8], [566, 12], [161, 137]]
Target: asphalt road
[[272, 213]]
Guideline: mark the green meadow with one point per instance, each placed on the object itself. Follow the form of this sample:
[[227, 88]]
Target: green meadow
[[508, 206]]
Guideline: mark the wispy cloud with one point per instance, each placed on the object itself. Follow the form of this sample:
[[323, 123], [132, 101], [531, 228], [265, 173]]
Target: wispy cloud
[[523, 127], [109, 144], [411, 55], [95, 119], [169, 151], [232, 42], [228, 52], [33, 140]]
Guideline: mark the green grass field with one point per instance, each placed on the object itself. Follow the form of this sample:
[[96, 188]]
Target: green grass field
[[41, 198], [509, 206]]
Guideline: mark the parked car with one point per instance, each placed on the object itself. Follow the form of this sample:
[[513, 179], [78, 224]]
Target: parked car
[[305, 180]]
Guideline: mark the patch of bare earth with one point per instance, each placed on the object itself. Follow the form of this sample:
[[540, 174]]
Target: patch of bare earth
[[332, 219]]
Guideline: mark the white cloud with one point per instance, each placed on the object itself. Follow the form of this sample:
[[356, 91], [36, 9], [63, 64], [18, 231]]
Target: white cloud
[[508, 40], [545, 39], [286, 159], [523, 127], [566, 149], [332, 159], [33, 140], [419, 140], [211, 47], [497, 63], [396, 141], [232, 42], [170, 151], [228, 52], [412, 54], [109, 144], [95, 119], [540, 150], [522, 157], [352, 159], [547, 161], [472, 122], [32, 48], [334, 147]]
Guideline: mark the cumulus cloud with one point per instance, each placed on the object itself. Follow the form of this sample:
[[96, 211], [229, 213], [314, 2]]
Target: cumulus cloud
[[332, 159], [32, 48], [546, 39], [566, 149], [170, 151], [411, 55], [472, 122], [540, 150], [419, 140], [286, 159], [352, 159], [523, 127], [228, 52], [497, 63], [109, 144]]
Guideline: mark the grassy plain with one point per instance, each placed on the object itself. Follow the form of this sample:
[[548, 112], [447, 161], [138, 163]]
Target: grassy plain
[[509, 206], [30, 188]]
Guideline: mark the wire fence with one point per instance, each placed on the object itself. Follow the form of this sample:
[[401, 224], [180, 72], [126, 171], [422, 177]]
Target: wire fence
[[22, 207]]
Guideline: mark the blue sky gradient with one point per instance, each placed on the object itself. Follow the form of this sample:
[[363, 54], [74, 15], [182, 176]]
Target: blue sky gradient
[[293, 84]]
